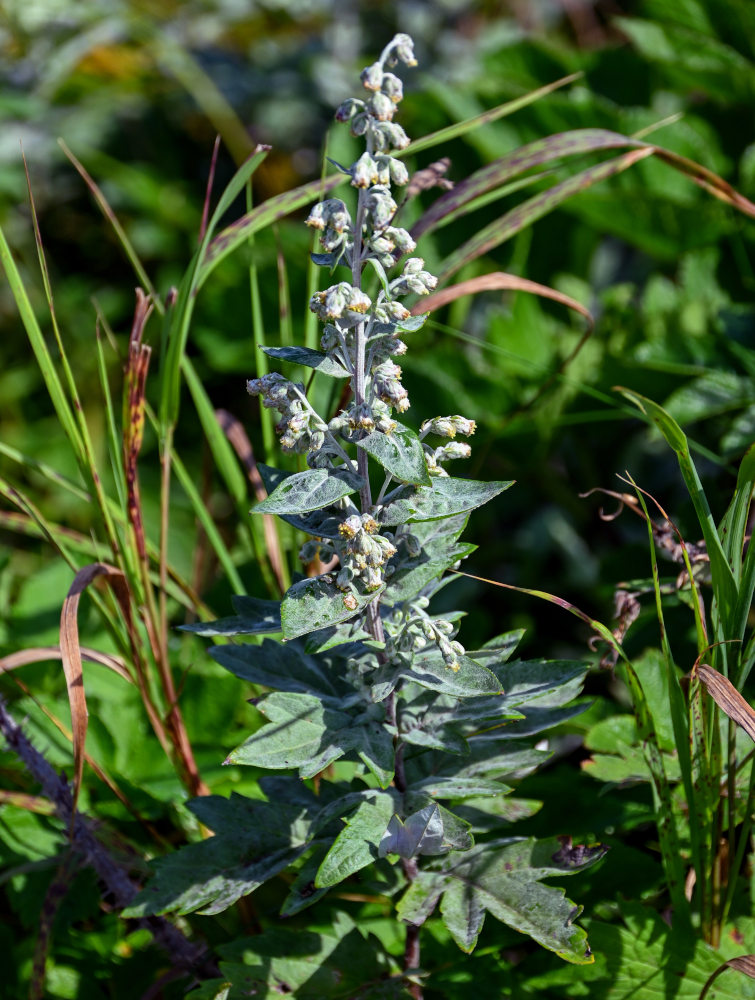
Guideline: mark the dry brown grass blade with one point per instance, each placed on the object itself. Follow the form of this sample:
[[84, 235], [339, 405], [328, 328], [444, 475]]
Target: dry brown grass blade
[[22, 800], [70, 650], [728, 699], [498, 281], [742, 963], [39, 654], [238, 438]]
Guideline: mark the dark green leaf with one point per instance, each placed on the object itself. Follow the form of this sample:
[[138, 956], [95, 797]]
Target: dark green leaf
[[254, 841], [278, 665], [311, 359], [254, 617]]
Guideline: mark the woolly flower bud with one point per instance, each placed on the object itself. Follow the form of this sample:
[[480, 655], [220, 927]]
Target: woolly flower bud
[[403, 49], [452, 450], [380, 206], [403, 240], [388, 135], [390, 312], [443, 426], [392, 87], [372, 77], [366, 172], [381, 107], [413, 265], [359, 124], [342, 301], [350, 527], [348, 109]]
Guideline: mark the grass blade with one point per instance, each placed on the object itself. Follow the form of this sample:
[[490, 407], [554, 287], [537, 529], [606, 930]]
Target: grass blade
[[444, 135]]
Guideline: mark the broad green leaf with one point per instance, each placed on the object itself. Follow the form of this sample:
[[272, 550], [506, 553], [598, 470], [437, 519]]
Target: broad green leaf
[[321, 362], [376, 749], [255, 616], [317, 603], [504, 879], [338, 963], [459, 788], [499, 649], [306, 491], [445, 497], [254, 840], [357, 844], [416, 574], [304, 732], [400, 453], [640, 961]]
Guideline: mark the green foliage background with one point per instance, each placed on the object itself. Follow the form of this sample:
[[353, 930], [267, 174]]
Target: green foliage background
[[138, 91]]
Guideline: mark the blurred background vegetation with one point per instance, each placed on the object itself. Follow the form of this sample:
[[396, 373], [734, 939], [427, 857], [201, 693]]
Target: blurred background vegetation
[[139, 90]]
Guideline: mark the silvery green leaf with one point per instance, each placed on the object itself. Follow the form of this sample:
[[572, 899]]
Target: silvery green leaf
[[350, 635], [412, 323], [500, 649], [317, 603], [399, 452], [535, 721], [459, 788], [321, 523], [311, 359], [544, 683], [284, 666], [471, 679], [304, 731], [421, 833], [356, 846], [446, 496], [306, 491], [254, 617], [416, 574], [445, 737]]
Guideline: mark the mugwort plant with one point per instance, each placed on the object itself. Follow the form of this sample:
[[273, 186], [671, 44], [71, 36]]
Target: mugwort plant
[[392, 743]]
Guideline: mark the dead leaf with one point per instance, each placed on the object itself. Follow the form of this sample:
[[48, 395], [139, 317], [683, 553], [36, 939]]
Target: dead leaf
[[728, 699], [743, 963], [70, 651]]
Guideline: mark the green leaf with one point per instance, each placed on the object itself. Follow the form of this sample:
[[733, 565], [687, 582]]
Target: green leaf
[[317, 603], [400, 453], [321, 362], [446, 496], [504, 879], [254, 841], [338, 963], [305, 731], [416, 574], [305, 491], [302, 892], [255, 617], [357, 845], [429, 670], [284, 666]]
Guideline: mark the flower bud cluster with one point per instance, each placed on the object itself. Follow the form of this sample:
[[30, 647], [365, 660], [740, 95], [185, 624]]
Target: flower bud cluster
[[331, 218], [361, 550], [300, 428], [447, 427], [342, 302], [415, 631], [414, 279]]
